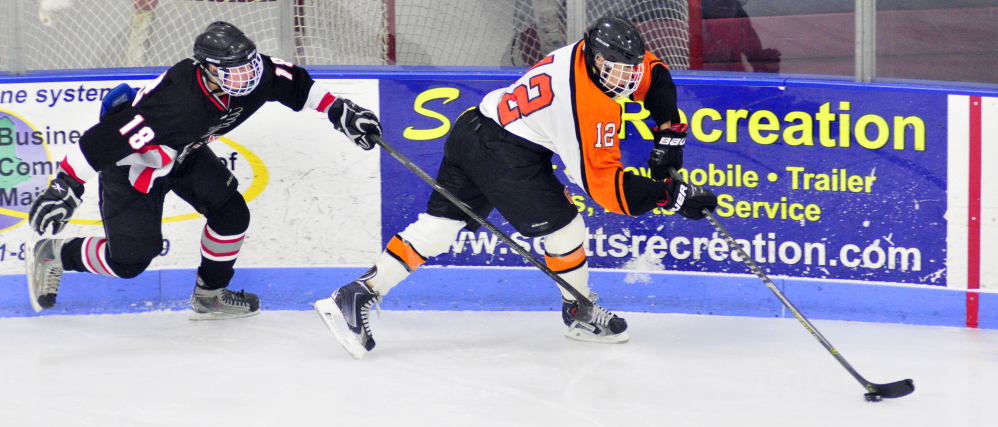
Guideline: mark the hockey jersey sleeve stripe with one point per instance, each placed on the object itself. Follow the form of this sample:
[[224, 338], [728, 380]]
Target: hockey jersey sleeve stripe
[[319, 98], [144, 180], [618, 182], [77, 166]]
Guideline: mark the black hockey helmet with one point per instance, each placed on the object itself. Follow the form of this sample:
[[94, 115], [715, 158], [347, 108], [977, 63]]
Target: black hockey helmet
[[616, 39], [223, 45], [619, 43], [238, 64]]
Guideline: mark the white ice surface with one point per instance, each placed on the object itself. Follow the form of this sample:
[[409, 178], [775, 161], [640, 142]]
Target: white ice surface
[[434, 368]]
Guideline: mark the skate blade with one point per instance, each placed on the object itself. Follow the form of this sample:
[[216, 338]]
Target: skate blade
[[333, 318], [584, 336], [29, 262], [219, 316]]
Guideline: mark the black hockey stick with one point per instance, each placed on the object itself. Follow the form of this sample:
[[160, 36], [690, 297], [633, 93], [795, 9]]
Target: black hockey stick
[[585, 305], [876, 392]]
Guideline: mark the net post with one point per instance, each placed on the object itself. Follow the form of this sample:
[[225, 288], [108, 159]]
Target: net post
[[286, 30], [575, 17]]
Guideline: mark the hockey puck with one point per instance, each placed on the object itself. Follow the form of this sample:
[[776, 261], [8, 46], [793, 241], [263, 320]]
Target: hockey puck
[[873, 397]]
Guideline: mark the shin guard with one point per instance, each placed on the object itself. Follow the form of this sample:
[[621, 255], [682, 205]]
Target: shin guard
[[429, 236], [564, 254]]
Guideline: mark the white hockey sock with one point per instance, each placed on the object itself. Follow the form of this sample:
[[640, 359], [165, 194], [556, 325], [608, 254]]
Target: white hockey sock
[[564, 254], [428, 237]]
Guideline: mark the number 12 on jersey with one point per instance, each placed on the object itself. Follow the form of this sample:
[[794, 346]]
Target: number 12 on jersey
[[605, 134]]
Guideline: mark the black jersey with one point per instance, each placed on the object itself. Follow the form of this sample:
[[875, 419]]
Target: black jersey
[[178, 112]]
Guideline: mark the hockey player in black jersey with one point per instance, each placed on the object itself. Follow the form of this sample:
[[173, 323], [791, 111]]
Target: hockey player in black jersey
[[156, 141]]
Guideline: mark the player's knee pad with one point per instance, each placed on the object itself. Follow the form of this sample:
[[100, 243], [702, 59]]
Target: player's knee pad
[[96, 258], [431, 235], [128, 270], [231, 218], [567, 238]]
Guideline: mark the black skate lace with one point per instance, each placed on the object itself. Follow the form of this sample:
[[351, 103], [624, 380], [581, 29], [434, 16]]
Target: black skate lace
[[53, 274], [234, 298]]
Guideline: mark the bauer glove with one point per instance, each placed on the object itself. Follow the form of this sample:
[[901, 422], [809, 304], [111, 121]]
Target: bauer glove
[[668, 151], [56, 204], [356, 122], [688, 200]]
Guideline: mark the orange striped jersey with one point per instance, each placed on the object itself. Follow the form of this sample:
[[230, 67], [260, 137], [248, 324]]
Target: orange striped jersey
[[556, 105]]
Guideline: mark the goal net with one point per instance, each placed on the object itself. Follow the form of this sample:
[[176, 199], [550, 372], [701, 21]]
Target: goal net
[[75, 34]]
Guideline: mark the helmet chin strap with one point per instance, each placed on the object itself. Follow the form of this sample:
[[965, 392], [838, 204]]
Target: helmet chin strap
[[213, 80]]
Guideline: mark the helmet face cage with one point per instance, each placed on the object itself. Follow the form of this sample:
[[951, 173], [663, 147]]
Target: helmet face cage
[[620, 79], [241, 80]]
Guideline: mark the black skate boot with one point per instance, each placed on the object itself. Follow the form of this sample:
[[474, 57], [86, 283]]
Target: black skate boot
[[346, 314], [222, 303], [44, 265], [605, 327]]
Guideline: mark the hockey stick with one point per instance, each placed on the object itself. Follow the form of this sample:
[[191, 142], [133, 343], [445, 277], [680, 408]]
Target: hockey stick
[[876, 392], [585, 305]]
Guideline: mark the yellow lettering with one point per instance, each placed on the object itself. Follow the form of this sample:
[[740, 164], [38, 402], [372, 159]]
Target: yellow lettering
[[869, 183], [882, 131], [793, 215], [799, 134], [448, 94], [844, 139], [856, 183], [756, 126], [724, 207], [918, 132], [794, 171], [812, 212], [743, 209], [635, 119], [825, 118], [732, 121], [697, 125]]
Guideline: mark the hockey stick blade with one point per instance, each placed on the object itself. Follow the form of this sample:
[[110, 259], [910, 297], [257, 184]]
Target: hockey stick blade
[[890, 391], [876, 391]]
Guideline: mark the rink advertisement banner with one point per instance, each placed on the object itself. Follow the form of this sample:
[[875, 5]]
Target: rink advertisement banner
[[813, 182], [293, 168]]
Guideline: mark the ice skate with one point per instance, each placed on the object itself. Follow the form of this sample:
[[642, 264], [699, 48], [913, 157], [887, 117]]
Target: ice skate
[[222, 303], [605, 327], [346, 314], [44, 265]]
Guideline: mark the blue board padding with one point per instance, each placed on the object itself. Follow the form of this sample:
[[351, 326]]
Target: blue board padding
[[523, 289]]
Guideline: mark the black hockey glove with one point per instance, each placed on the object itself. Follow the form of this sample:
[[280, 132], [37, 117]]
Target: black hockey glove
[[688, 200], [56, 204], [668, 151], [355, 121]]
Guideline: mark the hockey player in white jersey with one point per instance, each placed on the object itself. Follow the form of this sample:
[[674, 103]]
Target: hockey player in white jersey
[[498, 156]]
